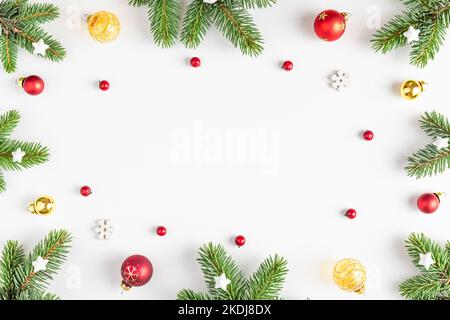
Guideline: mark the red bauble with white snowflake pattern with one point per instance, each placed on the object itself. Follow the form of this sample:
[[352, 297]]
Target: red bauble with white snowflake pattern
[[136, 271], [330, 25]]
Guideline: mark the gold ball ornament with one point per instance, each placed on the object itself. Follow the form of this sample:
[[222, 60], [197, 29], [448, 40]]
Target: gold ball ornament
[[350, 275], [103, 26], [44, 205], [411, 89]]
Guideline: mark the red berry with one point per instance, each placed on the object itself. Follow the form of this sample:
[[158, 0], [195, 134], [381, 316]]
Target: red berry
[[161, 231], [239, 240], [195, 62], [368, 135], [103, 85], [350, 213], [288, 65], [85, 191]]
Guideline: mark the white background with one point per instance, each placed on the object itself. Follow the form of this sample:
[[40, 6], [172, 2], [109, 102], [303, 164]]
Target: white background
[[122, 144]]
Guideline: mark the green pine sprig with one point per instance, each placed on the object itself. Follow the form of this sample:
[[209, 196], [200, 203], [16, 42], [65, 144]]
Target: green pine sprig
[[431, 284], [19, 27], [35, 153], [18, 281], [430, 160], [229, 16], [431, 17], [265, 284]]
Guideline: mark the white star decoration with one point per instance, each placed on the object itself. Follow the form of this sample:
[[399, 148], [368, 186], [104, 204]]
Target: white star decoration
[[221, 282], [39, 264], [18, 155], [426, 260], [412, 34], [40, 47], [441, 143]]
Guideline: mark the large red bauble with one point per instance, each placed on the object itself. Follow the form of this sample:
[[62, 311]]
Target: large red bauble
[[136, 271], [330, 25], [32, 85], [428, 202]]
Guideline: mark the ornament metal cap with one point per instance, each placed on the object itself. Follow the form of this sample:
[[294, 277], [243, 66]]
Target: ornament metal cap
[[20, 81], [346, 15], [124, 286], [440, 195], [44, 205]]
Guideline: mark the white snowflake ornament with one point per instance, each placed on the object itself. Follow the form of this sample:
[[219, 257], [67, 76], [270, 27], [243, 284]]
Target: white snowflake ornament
[[18, 155], [221, 282], [210, 1], [40, 264], [441, 143], [412, 34], [340, 80], [40, 47], [104, 229], [426, 260]]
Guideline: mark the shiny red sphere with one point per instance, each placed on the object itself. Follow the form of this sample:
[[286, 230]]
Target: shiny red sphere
[[103, 85], [428, 202], [196, 62], [330, 25], [33, 85], [288, 65], [239, 241], [161, 231], [368, 135], [85, 191], [350, 213], [136, 271]]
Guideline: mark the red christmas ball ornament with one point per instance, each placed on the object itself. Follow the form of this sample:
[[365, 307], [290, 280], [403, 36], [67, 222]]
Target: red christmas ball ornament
[[33, 85], [196, 62], [429, 202], [350, 213], [330, 25], [136, 271], [288, 65], [161, 231], [85, 191], [368, 135], [103, 85], [239, 241]]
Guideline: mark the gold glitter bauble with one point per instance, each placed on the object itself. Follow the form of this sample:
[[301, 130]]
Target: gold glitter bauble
[[411, 89], [43, 205], [350, 275], [103, 26]]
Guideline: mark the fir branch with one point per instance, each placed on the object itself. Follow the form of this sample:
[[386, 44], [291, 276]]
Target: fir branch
[[238, 27], [13, 256], [164, 18], [214, 261], [196, 23], [187, 294], [139, 3], [256, 4], [35, 154], [421, 287], [2, 182], [8, 52], [53, 247], [390, 36], [430, 160], [8, 122], [267, 282], [39, 13]]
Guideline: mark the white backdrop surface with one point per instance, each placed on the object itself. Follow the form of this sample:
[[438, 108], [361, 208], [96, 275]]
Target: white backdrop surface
[[237, 146]]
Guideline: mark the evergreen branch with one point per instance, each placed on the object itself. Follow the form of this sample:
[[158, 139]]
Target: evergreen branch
[[139, 3], [420, 244], [8, 122], [435, 125], [267, 282], [8, 52], [421, 287], [187, 294], [12, 257], [256, 4], [164, 18], [390, 36], [214, 261], [428, 161], [196, 23], [53, 247], [39, 13], [35, 154], [238, 27], [2, 182]]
